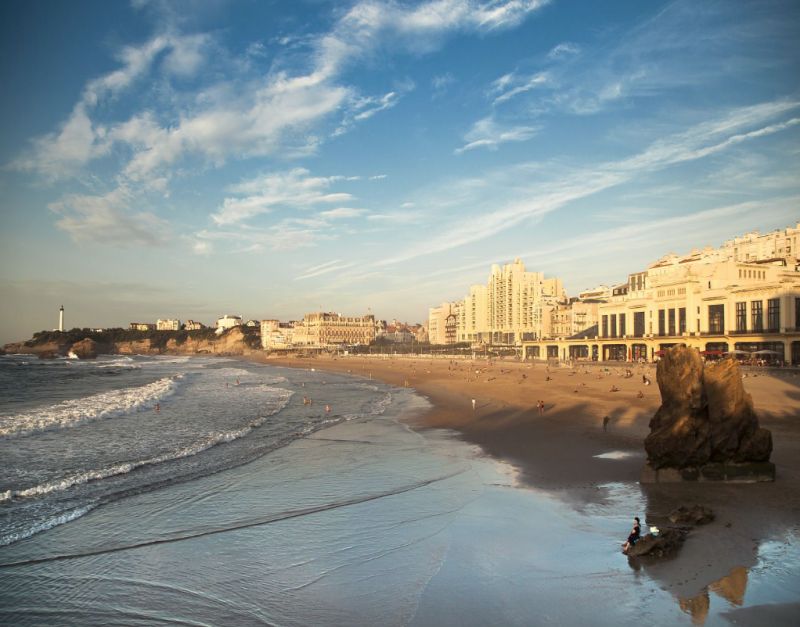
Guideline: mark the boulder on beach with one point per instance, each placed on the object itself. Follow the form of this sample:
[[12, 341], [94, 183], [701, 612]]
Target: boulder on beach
[[48, 354], [705, 418], [667, 542], [85, 349]]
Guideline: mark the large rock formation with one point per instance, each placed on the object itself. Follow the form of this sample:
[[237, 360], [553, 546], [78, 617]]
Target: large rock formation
[[85, 349], [706, 428]]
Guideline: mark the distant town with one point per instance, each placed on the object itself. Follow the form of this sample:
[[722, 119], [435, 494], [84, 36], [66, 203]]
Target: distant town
[[742, 298]]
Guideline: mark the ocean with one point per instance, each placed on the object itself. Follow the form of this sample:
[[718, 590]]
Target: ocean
[[209, 491]]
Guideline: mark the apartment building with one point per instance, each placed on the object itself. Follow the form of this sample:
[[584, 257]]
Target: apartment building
[[443, 323]]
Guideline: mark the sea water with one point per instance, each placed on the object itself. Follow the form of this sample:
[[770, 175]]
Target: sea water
[[207, 491]]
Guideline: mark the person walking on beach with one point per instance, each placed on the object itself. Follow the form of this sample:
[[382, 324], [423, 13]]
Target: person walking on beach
[[473, 404], [634, 535], [540, 405], [606, 420]]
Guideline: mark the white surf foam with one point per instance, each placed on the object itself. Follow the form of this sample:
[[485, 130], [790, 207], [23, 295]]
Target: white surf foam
[[47, 524], [74, 412], [278, 400]]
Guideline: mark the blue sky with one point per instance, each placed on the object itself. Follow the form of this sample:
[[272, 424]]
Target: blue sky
[[189, 159]]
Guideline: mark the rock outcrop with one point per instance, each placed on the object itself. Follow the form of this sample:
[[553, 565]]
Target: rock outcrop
[[85, 349], [706, 427], [697, 515], [666, 543]]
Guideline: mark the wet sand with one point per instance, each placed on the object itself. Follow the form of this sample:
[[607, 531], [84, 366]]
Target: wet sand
[[565, 451]]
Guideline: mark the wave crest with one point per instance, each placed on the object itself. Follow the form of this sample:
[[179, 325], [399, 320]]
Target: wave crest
[[76, 411]]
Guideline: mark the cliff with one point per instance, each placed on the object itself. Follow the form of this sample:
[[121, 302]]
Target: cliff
[[235, 341]]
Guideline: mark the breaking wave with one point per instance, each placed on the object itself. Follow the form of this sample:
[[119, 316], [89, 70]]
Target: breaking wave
[[281, 398], [61, 519], [74, 412]]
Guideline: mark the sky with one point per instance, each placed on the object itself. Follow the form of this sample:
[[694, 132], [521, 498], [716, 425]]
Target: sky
[[273, 158]]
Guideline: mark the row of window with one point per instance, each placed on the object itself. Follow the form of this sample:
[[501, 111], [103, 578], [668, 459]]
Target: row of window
[[757, 315], [752, 274], [673, 321]]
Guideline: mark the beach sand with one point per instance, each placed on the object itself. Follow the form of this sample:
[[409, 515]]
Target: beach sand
[[565, 451]]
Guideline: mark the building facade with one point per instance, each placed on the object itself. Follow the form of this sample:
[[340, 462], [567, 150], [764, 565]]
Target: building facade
[[443, 322], [142, 326], [168, 324], [332, 329], [276, 335], [193, 325], [228, 322], [513, 306], [743, 297]]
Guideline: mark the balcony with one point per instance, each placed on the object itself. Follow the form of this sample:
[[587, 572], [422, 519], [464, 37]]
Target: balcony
[[769, 331]]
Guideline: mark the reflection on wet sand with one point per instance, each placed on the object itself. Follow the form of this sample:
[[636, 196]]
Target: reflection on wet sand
[[731, 587]]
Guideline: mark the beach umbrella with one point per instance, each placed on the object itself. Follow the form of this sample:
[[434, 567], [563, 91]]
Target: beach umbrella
[[767, 352], [737, 352]]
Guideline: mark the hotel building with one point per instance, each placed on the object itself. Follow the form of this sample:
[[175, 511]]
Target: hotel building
[[333, 329]]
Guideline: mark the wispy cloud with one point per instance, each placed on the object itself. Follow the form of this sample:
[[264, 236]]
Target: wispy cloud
[[336, 265], [510, 85], [342, 213], [564, 49], [107, 219], [536, 200], [295, 189], [487, 133]]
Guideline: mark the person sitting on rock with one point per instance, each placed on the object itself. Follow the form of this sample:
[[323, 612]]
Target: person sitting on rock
[[635, 534]]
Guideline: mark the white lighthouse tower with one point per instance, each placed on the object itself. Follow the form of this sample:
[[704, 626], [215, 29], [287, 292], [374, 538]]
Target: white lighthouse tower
[[61, 318]]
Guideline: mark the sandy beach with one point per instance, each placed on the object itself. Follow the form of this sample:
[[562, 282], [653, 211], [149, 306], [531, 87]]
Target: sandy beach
[[565, 451]]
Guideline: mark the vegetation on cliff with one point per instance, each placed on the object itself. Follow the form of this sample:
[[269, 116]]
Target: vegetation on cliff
[[112, 336]]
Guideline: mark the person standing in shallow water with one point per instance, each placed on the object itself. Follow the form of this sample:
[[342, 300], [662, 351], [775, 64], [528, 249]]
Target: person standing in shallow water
[[634, 535]]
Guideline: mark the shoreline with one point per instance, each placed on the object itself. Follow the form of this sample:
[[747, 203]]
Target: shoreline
[[566, 453]]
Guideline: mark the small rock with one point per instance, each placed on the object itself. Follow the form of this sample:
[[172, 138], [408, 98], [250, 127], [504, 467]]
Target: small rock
[[697, 515]]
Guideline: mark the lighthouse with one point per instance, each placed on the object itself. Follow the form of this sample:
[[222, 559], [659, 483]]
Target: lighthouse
[[61, 318]]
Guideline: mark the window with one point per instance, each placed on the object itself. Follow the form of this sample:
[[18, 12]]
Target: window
[[622, 325], [774, 314], [638, 321], [605, 326], [671, 319], [682, 320], [716, 319], [757, 315], [661, 329], [741, 316], [613, 325], [797, 313]]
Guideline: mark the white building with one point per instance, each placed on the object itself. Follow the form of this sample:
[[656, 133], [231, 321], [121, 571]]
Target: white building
[[229, 321], [443, 323], [168, 324], [276, 335]]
